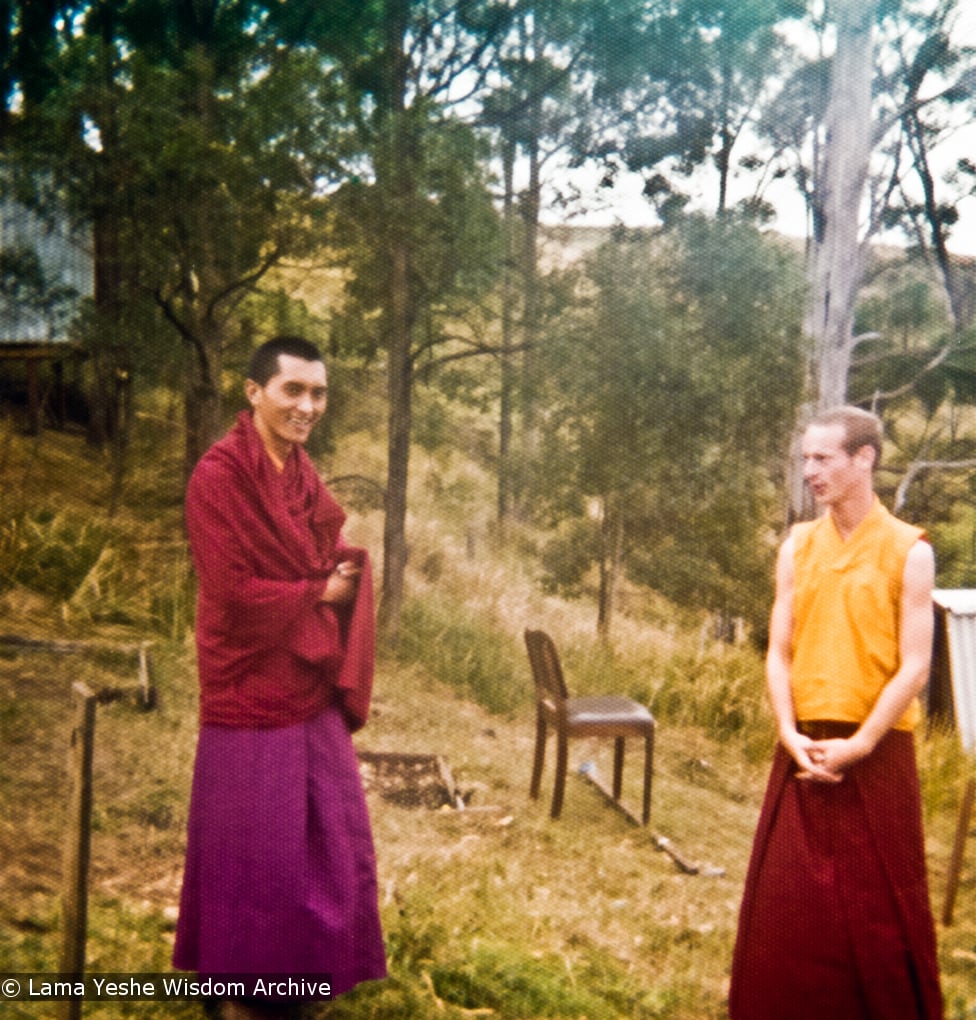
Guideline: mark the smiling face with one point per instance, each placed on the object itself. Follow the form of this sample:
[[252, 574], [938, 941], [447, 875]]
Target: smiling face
[[832, 474], [287, 407]]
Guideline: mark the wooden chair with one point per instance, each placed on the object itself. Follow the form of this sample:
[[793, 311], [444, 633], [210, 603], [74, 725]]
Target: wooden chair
[[604, 715]]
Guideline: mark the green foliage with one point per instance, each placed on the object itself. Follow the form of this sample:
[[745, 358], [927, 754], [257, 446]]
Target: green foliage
[[459, 648], [479, 909], [944, 769], [720, 690], [745, 294], [567, 557], [905, 326], [900, 312], [505, 976], [189, 141], [92, 574], [23, 285], [954, 540], [703, 66], [672, 396], [439, 213], [597, 668], [418, 936], [73, 564]]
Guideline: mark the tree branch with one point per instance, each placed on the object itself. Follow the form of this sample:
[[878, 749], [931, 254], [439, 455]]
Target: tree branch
[[929, 367], [965, 83], [242, 286], [166, 305], [918, 467]]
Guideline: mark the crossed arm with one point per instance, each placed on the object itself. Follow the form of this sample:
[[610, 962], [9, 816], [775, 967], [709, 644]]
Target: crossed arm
[[826, 760]]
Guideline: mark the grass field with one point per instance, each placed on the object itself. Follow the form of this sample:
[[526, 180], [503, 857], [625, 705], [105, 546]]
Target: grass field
[[491, 911]]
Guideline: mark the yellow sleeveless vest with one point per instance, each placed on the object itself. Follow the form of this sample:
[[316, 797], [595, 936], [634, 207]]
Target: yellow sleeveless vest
[[846, 608]]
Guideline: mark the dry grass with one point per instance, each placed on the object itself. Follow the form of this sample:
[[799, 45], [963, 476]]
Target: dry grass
[[588, 898], [494, 911]]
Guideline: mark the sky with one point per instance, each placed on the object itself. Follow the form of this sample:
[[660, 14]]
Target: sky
[[625, 204]]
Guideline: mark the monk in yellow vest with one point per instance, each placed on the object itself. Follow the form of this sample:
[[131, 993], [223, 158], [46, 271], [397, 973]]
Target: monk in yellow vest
[[835, 921]]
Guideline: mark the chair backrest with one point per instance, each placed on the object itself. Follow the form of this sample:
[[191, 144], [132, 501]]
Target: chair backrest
[[546, 670]]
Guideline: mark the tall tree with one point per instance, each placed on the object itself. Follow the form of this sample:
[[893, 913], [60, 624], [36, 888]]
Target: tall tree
[[929, 116], [418, 228], [837, 258], [230, 194], [861, 165], [561, 67], [663, 439], [178, 130]]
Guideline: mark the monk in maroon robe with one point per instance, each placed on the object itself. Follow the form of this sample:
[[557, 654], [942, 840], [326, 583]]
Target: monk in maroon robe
[[835, 921], [280, 876]]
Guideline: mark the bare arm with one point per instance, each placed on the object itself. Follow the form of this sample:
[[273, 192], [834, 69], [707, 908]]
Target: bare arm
[[915, 649], [779, 659]]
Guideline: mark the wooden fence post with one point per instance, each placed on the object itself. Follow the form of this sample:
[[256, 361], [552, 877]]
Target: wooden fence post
[[77, 850], [958, 850]]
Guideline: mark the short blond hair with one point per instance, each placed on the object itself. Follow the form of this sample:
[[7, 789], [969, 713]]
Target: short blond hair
[[861, 428]]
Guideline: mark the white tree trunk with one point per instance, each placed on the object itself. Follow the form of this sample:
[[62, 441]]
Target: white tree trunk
[[837, 253], [837, 262]]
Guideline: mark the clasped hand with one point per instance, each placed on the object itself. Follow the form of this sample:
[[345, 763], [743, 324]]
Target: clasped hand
[[341, 584], [825, 761]]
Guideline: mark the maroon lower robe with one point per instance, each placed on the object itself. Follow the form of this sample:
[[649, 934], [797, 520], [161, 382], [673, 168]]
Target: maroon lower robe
[[836, 922], [280, 874]]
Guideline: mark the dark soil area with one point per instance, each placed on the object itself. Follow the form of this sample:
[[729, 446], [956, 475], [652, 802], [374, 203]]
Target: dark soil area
[[407, 780]]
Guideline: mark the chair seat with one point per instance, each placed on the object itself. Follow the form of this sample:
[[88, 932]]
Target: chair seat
[[601, 715], [609, 709]]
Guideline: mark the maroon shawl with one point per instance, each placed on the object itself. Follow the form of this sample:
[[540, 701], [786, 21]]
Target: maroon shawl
[[835, 920], [263, 543]]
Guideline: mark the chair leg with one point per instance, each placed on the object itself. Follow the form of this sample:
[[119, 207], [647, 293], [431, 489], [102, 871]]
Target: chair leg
[[539, 759], [618, 767], [648, 774], [562, 756]]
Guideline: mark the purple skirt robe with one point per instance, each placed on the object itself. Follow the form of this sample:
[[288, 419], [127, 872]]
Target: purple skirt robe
[[280, 874]]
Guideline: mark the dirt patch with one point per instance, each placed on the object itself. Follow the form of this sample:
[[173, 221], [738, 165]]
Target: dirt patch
[[408, 780]]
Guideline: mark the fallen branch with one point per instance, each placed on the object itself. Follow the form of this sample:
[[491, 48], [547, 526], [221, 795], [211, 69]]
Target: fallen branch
[[661, 843]]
